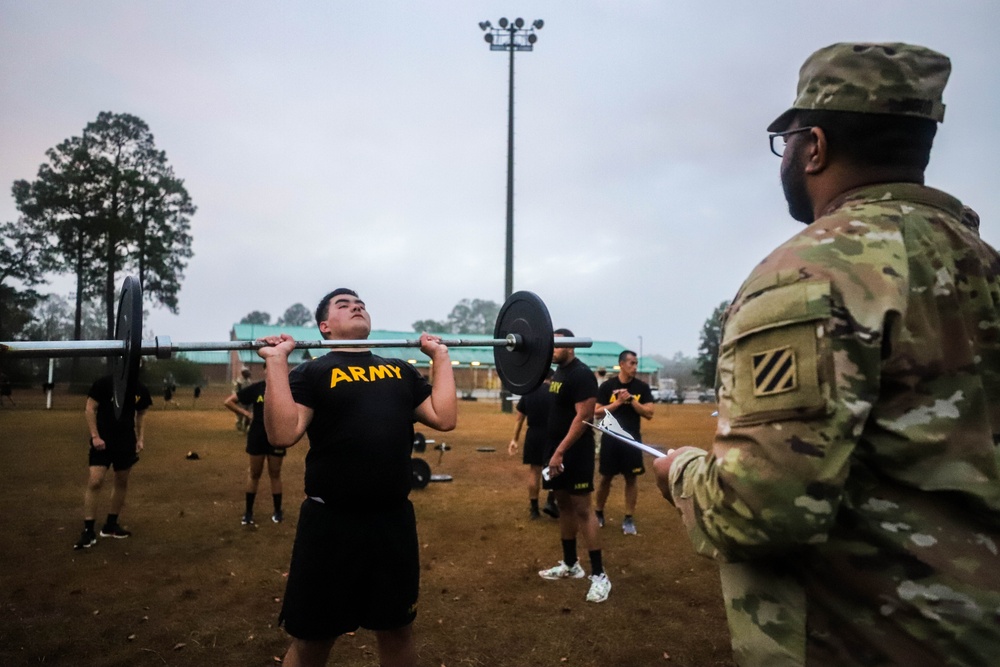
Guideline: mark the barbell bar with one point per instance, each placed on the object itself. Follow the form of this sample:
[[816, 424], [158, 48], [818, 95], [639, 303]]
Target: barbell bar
[[522, 344]]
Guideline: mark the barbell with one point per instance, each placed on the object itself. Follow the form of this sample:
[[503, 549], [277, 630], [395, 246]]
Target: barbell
[[522, 344]]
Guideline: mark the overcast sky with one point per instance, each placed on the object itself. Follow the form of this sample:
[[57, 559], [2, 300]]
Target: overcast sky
[[363, 144]]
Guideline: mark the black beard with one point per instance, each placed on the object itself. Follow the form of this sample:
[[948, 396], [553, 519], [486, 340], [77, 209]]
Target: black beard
[[793, 183]]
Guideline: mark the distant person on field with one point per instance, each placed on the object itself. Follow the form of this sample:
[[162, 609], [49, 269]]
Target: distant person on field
[[629, 400], [112, 443], [6, 390], [570, 463], [533, 409], [242, 382], [259, 449], [356, 561]]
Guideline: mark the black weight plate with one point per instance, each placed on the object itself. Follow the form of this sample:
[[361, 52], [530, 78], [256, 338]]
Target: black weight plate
[[419, 442], [421, 472], [125, 367], [524, 368]]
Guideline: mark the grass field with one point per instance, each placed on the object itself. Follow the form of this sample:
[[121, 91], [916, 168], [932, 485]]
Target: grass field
[[194, 587]]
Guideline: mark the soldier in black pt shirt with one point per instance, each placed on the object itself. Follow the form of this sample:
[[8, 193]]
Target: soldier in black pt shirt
[[355, 559], [571, 468], [534, 408], [113, 442], [627, 398], [258, 448]]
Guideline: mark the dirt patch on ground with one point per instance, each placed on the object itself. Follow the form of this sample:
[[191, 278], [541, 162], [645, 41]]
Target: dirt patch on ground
[[194, 587]]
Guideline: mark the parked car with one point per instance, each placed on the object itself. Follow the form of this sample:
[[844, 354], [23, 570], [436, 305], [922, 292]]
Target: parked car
[[666, 396]]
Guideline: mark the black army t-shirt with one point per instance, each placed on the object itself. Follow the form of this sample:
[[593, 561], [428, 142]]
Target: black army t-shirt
[[253, 395], [361, 432], [626, 415], [571, 384], [113, 432]]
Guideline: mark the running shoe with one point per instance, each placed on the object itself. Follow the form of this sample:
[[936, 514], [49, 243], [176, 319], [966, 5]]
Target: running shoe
[[628, 526], [277, 517], [600, 518], [534, 514], [562, 571], [551, 509], [247, 519], [115, 531], [600, 587], [87, 540]]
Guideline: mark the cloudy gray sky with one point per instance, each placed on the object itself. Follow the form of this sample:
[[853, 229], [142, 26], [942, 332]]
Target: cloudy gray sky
[[364, 143]]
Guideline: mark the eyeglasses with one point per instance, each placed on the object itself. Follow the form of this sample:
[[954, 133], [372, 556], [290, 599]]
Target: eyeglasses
[[778, 147]]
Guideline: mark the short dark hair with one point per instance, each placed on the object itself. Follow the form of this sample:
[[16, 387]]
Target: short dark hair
[[877, 140], [625, 353], [323, 309], [563, 332]]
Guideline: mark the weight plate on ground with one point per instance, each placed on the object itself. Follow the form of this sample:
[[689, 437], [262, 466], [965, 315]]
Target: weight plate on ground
[[421, 472], [128, 328], [523, 368], [419, 442]]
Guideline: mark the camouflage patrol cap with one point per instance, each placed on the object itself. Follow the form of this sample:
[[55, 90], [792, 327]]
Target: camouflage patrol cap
[[898, 79]]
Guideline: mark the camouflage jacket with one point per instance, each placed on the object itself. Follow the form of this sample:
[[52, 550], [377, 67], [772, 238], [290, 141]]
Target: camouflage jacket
[[853, 487]]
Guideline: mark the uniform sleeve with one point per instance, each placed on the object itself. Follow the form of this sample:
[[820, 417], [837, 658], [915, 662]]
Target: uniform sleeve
[[797, 377], [246, 395], [421, 387], [584, 384], [299, 381]]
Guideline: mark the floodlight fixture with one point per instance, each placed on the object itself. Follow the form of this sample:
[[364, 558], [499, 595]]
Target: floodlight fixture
[[511, 37]]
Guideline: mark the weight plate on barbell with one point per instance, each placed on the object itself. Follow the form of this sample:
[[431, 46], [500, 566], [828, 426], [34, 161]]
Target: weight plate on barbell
[[125, 367], [421, 472], [419, 442], [523, 368]]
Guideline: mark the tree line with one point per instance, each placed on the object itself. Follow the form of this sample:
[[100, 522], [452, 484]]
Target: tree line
[[102, 204]]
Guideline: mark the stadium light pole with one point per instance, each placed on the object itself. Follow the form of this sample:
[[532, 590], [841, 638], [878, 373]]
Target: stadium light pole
[[510, 36]]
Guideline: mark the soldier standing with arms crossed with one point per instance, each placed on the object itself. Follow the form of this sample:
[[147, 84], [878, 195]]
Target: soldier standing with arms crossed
[[853, 489]]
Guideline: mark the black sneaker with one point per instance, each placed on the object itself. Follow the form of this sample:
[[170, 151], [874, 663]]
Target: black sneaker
[[247, 519], [552, 510], [600, 518], [115, 531], [277, 517], [534, 514], [87, 540]]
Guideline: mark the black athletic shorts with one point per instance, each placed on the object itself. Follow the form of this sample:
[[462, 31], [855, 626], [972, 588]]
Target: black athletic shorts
[[257, 448], [617, 458], [351, 569], [534, 448], [577, 476], [122, 457]]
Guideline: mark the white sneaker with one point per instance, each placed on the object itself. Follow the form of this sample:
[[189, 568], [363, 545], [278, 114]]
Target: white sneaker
[[600, 586], [563, 571], [628, 527]]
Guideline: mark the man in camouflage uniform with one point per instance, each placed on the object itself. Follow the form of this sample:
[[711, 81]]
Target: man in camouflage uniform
[[852, 492]]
